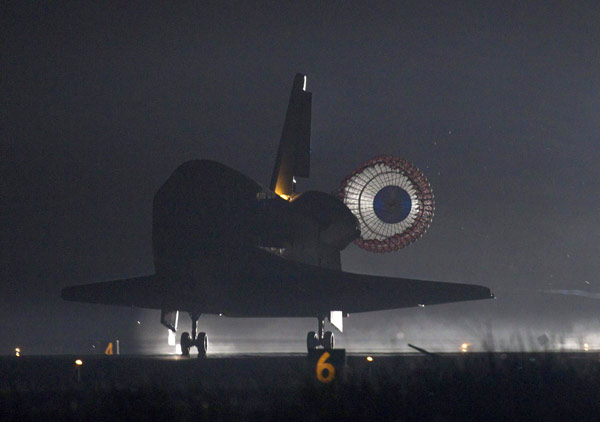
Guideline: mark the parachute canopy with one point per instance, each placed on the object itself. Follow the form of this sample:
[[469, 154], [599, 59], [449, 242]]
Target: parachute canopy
[[392, 201]]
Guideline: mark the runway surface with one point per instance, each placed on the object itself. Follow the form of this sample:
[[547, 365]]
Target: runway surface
[[499, 386]]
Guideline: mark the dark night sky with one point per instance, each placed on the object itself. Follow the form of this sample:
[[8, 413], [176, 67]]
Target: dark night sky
[[498, 104]]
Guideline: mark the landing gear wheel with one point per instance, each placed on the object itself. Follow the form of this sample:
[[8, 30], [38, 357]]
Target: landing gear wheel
[[202, 344], [328, 341], [312, 341], [186, 343]]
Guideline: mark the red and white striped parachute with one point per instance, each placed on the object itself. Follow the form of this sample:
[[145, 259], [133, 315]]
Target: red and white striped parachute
[[392, 201]]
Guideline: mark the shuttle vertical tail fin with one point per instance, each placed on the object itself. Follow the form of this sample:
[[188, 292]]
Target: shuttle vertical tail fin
[[293, 156]]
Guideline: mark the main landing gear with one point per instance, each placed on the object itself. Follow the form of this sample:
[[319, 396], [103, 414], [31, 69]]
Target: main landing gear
[[321, 338], [200, 341]]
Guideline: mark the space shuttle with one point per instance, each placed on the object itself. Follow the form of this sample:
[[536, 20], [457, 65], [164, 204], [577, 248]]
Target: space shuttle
[[224, 244]]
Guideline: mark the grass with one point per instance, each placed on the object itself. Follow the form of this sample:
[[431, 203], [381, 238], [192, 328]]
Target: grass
[[471, 386]]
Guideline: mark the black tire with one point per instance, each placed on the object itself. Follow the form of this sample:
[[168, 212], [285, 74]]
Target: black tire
[[202, 344], [311, 341], [328, 341], [185, 343]]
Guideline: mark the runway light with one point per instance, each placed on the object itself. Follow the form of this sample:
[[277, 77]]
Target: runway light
[[586, 347], [464, 347], [78, 364], [369, 358], [17, 352]]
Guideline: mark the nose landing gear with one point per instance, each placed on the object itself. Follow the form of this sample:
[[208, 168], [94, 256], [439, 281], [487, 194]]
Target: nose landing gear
[[200, 341], [322, 338]]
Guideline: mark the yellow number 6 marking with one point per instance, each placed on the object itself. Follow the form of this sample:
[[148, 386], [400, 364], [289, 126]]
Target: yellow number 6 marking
[[325, 371]]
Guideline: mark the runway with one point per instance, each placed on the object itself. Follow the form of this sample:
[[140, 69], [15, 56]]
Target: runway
[[498, 386]]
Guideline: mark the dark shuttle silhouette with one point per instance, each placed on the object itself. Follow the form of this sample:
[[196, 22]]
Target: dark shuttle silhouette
[[224, 244]]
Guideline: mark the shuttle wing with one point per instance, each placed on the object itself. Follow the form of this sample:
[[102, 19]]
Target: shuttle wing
[[143, 292], [265, 285], [272, 286], [365, 293]]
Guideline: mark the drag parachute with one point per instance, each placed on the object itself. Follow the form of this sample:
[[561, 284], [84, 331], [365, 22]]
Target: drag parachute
[[392, 201]]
